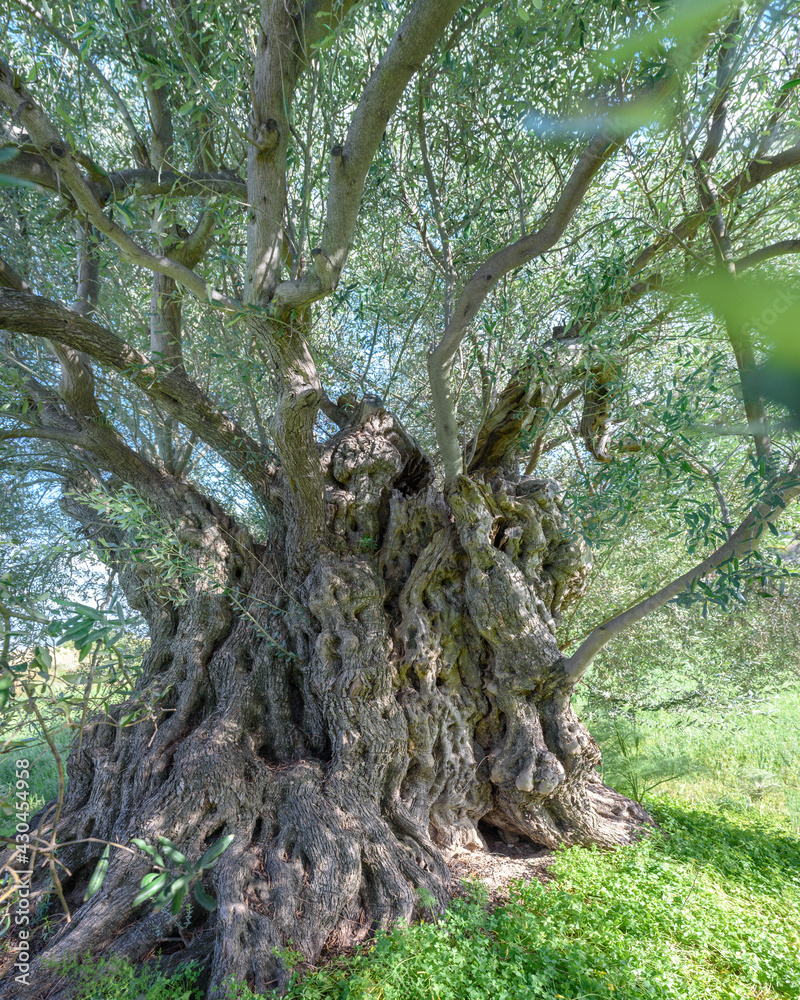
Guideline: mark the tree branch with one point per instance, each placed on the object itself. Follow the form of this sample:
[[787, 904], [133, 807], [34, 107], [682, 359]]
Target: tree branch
[[145, 181], [174, 391], [486, 277], [497, 431], [740, 340], [159, 182], [779, 249], [726, 65], [61, 434], [92, 443], [411, 44], [283, 331], [741, 543], [62, 162], [757, 171], [10, 279], [438, 213], [77, 379]]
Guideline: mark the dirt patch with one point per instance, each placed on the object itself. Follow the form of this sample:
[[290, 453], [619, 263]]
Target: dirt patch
[[498, 867]]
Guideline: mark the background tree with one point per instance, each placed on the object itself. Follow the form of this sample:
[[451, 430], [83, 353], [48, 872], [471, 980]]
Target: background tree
[[347, 284]]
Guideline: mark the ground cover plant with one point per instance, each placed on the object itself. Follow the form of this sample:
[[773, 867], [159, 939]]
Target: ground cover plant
[[711, 911], [708, 911], [744, 758], [118, 979]]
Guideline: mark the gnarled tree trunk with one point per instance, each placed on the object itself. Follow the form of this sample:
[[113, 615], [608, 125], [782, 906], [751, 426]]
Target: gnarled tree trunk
[[353, 696], [349, 723]]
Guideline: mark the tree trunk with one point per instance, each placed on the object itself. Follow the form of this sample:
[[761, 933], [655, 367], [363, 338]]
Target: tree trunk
[[349, 724]]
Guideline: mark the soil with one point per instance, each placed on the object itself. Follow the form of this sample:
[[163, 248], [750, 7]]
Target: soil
[[498, 867]]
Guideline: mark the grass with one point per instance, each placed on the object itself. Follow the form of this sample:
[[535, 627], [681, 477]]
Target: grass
[[119, 979], [60, 701], [745, 759], [43, 781], [707, 910]]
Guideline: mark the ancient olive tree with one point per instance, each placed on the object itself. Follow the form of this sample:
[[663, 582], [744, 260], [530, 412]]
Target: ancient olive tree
[[312, 237]]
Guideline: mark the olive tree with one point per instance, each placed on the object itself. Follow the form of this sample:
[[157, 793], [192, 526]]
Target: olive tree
[[346, 274]]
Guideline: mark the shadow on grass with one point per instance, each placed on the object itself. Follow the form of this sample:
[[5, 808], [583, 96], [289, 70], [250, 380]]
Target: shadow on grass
[[747, 852]]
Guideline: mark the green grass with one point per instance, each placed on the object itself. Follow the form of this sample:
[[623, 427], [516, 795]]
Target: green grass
[[60, 703], [119, 979], [43, 781], [709, 909], [745, 759]]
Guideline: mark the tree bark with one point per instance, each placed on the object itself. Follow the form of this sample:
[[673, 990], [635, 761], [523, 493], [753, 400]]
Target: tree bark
[[350, 722]]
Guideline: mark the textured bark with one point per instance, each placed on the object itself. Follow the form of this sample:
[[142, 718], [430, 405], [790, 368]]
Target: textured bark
[[350, 723]]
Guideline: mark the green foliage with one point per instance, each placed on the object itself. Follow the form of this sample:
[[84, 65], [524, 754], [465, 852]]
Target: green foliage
[[118, 979], [149, 541], [709, 911], [741, 758], [168, 885], [86, 628], [290, 958], [631, 764], [735, 639], [42, 563], [99, 874], [43, 781], [768, 306]]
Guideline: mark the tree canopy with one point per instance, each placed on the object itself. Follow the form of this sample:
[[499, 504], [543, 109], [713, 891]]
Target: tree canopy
[[527, 218]]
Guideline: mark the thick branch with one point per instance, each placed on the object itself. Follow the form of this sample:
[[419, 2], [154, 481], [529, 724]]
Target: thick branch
[[298, 389], [741, 543], [498, 430], [412, 42], [91, 442], [62, 162], [294, 374], [756, 172], [30, 166], [77, 379], [779, 249], [174, 391], [177, 185], [595, 428], [274, 80], [486, 277], [10, 279], [719, 105], [61, 434]]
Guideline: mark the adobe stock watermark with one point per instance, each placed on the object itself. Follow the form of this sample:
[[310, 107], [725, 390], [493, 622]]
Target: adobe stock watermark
[[22, 870], [781, 304]]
